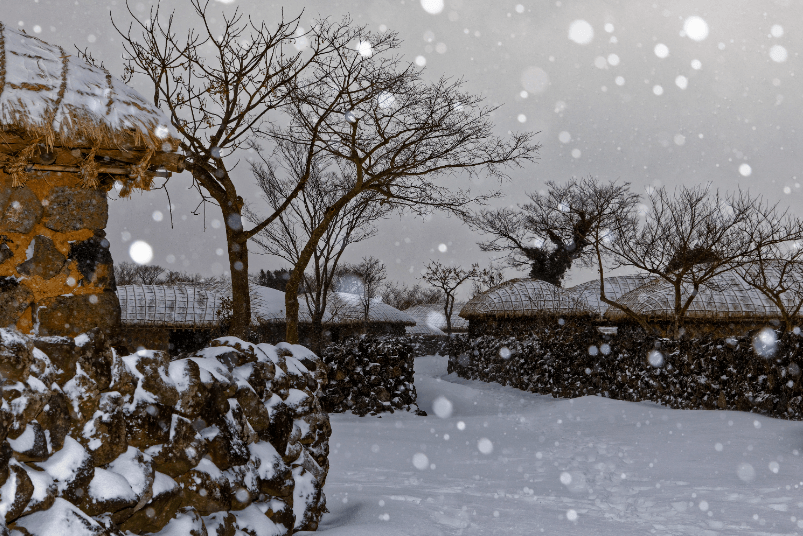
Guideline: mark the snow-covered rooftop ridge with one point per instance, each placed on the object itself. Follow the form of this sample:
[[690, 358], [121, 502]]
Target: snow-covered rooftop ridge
[[48, 94], [168, 306], [267, 305], [525, 297], [424, 329], [726, 296], [432, 315], [615, 288]]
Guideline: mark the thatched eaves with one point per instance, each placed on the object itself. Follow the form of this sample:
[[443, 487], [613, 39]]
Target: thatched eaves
[[59, 113], [525, 298]]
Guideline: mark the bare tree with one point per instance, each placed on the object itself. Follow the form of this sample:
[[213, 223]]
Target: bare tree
[[219, 84], [448, 279], [125, 273], [775, 265], [687, 239], [556, 227], [487, 278], [396, 136], [129, 273], [366, 281], [292, 230], [403, 297]]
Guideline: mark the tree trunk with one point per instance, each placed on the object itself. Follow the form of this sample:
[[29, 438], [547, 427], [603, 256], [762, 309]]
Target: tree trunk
[[448, 310], [316, 335], [291, 292], [676, 319], [238, 266]]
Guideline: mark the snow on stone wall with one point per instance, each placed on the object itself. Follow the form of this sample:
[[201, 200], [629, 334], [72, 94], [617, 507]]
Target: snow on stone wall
[[370, 375], [759, 372], [229, 439]]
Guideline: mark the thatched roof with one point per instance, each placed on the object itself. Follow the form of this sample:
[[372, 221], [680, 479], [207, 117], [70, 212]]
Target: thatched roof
[[191, 307], [432, 314], [267, 305], [615, 288], [525, 298], [49, 98], [424, 329], [726, 297], [167, 306]]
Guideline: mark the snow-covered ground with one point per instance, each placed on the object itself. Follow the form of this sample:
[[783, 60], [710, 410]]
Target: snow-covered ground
[[585, 466]]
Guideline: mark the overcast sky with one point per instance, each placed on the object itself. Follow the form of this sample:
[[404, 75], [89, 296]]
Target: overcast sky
[[670, 93]]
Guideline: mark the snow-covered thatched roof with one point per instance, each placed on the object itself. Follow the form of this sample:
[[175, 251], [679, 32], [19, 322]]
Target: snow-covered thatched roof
[[424, 329], [49, 95], [58, 113], [726, 297], [267, 305], [615, 288], [525, 298], [184, 307], [432, 314]]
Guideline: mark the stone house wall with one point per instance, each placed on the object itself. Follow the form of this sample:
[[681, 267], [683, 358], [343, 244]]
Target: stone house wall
[[56, 274]]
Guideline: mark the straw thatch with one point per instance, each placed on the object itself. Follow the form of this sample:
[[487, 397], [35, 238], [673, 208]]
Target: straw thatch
[[424, 330], [49, 99], [180, 307], [615, 288], [525, 298], [726, 297], [431, 314]]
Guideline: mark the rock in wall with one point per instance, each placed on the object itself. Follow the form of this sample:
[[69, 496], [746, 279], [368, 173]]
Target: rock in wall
[[227, 440], [56, 274], [370, 375]]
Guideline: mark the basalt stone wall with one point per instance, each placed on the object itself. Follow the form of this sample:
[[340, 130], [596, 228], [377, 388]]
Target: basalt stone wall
[[758, 372], [56, 275], [370, 375], [227, 440], [428, 345]]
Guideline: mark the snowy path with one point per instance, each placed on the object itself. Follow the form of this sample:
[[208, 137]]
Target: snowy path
[[588, 466]]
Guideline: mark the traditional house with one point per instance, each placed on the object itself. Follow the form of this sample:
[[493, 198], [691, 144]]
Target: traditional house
[[726, 305], [69, 133], [177, 318], [344, 317], [432, 315], [167, 317], [520, 306]]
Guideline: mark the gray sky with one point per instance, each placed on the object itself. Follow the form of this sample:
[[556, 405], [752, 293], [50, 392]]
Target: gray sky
[[629, 90]]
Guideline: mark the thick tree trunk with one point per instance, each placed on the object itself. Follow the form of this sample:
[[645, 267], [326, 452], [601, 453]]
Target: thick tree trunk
[[238, 265], [316, 335]]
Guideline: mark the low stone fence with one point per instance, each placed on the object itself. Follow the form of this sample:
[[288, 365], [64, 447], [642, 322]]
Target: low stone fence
[[370, 375], [427, 345], [759, 373], [229, 439]]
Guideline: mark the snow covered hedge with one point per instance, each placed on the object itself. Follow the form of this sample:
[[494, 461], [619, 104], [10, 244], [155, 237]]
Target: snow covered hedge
[[228, 440], [759, 373], [370, 374]]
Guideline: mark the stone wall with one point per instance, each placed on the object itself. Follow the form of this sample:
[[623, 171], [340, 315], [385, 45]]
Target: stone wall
[[228, 440], [370, 375], [755, 372], [56, 275]]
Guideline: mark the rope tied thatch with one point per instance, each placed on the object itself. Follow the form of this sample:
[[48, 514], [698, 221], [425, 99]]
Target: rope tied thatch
[[89, 170], [139, 177], [19, 165]]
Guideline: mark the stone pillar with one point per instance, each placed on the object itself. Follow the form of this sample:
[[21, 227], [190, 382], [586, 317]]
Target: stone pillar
[[56, 274]]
